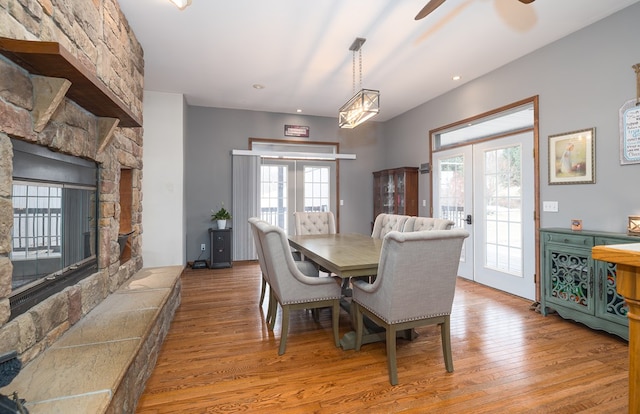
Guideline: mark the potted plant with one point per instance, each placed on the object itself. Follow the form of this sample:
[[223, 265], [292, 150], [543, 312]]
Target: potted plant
[[221, 216]]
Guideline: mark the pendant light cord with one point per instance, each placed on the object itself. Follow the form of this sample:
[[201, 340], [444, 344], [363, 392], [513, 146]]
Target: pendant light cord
[[360, 54], [353, 67], [354, 70]]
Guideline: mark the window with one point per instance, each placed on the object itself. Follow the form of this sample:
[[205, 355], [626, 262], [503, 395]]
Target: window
[[51, 229], [37, 224], [273, 194], [55, 223], [288, 186], [316, 188]]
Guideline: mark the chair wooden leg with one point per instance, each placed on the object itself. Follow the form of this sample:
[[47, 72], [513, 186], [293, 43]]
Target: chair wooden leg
[[263, 290], [391, 355], [273, 310], [446, 343], [335, 318], [359, 327], [285, 329], [269, 310]]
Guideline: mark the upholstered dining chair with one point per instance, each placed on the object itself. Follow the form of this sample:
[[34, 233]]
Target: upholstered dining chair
[[415, 286], [263, 269], [306, 268], [427, 223], [290, 287], [314, 222], [385, 223]]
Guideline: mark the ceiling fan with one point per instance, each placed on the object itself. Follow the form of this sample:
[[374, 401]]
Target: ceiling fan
[[434, 4]]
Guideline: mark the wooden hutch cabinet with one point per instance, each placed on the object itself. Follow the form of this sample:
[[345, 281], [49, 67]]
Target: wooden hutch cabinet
[[579, 287], [395, 191]]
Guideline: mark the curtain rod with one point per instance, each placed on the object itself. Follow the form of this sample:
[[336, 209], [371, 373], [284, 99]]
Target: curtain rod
[[298, 155]]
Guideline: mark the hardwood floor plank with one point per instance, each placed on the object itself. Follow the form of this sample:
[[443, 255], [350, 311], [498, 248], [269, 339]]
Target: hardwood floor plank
[[219, 356]]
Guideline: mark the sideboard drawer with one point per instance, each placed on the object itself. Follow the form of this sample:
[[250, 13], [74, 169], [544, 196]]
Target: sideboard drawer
[[570, 239]]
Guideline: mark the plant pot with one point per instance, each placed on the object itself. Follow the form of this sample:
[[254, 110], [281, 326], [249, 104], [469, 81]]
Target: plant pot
[[222, 224]]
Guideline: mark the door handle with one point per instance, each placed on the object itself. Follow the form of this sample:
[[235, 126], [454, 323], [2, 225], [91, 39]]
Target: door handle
[[468, 219]]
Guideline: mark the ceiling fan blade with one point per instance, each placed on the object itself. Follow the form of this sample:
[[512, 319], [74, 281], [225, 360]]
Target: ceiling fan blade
[[527, 1], [431, 6]]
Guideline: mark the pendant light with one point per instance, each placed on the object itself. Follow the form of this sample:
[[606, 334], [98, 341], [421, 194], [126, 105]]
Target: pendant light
[[365, 103]]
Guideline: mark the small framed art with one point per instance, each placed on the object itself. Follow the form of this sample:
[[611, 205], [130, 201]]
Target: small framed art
[[296, 131], [572, 157]]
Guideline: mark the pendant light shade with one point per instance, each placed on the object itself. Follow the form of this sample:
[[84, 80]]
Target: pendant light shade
[[365, 103], [362, 106]]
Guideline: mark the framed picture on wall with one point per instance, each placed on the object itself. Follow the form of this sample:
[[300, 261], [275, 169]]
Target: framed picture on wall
[[630, 133], [572, 157]]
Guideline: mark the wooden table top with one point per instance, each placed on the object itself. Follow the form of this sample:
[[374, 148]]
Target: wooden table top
[[345, 254], [628, 254]]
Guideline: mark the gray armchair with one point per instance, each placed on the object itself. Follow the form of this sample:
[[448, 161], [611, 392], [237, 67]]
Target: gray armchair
[[315, 223], [305, 267], [387, 222], [415, 286], [427, 223], [263, 269], [290, 287]]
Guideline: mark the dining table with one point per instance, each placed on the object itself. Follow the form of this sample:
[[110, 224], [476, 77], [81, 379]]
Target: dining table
[[344, 254], [347, 255]]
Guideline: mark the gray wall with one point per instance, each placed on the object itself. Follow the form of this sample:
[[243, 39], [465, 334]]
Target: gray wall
[[582, 81], [212, 133]]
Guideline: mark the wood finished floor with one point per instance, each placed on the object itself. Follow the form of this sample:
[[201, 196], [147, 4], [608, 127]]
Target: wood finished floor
[[219, 357]]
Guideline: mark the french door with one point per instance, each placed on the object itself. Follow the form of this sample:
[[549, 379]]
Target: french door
[[287, 186], [488, 189]]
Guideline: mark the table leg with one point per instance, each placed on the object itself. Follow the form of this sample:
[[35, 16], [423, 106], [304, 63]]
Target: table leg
[[628, 285], [372, 332]]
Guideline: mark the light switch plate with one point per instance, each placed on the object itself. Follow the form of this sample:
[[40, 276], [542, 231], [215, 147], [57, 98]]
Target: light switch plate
[[550, 206]]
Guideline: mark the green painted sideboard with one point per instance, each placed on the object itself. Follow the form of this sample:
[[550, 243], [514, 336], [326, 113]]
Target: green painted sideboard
[[578, 287]]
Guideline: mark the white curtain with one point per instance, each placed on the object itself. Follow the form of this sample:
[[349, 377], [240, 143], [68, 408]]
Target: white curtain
[[246, 204]]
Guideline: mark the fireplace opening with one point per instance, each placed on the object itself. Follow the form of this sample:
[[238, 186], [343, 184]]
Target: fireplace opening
[[55, 226]]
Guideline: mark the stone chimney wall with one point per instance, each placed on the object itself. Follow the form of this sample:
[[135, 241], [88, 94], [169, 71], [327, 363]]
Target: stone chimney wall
[[99, 36]]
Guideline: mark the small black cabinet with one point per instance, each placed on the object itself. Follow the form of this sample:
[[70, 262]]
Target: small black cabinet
[[219, 248]]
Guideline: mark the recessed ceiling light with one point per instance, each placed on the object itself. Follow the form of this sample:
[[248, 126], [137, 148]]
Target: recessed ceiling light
[[456, 77], [258, 86], [181, 4], [298, 110]]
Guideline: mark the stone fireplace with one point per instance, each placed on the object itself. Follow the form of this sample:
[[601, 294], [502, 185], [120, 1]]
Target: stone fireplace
[[83, 100]]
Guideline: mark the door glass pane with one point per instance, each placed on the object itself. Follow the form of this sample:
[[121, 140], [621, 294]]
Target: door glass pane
[[273, 194], [503, 213], [496, 124], [451, 190], [316, 189]]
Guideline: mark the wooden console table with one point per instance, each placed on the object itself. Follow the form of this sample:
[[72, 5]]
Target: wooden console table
[[627, 259]]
